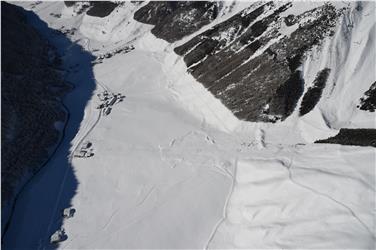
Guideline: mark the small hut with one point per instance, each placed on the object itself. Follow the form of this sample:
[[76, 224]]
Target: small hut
[[68, 212], [58, 236]]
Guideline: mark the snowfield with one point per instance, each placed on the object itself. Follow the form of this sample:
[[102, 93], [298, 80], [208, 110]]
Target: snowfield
[[173, 168], [294, 198]]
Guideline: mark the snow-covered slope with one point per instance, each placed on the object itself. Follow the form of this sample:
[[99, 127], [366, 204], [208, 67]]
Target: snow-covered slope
[[174, 168]]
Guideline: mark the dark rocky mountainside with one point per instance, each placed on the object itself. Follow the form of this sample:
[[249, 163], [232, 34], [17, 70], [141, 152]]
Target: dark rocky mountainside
[[173, 20], [101, 8], [313, 94], [94, 8], [355, 137], [32, 88], [246, 61], [368, 102]]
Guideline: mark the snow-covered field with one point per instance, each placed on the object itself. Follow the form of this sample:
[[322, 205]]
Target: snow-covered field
[[173, 168]]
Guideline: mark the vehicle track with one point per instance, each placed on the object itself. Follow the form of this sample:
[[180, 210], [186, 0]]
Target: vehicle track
[[71, 156], [70, 159], [225, 207]]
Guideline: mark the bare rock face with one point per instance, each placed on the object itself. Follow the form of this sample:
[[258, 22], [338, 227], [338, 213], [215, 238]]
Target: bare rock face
[[354, 137], [101, 8], [250, 61], [32, 88], [313, 94], [368, 102], [175, 19], [250, 66], [92, 8]]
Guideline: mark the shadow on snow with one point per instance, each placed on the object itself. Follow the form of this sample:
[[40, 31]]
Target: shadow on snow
[[37, 211]]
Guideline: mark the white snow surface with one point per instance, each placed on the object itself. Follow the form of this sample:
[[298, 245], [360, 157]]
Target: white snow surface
[[173, 168]]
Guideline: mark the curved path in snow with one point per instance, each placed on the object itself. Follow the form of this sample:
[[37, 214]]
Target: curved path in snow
[[54, 185], [89, 128], [86, 127]]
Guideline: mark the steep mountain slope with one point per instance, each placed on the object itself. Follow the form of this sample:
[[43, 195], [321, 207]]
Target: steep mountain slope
[[174, 167], [251, 65], [174, 20], [358, 137], [368, 102], [250, 61], [32, 114], [294, 43]]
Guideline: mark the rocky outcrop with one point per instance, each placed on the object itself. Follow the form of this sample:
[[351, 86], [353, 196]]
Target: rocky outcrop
[[251, 65], [355, 137], [175, 19], [368, 102], [101, 8], [251, 60], [313, 94], [92, 8], [32, 88]]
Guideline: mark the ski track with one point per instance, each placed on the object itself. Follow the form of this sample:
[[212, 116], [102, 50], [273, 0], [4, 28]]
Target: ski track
[[341, 204], [109, 220], [219, 223], [147, 195]]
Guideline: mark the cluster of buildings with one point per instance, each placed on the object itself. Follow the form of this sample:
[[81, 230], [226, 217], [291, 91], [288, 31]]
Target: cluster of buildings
[[85, 151], [110, 54], [108, 100]]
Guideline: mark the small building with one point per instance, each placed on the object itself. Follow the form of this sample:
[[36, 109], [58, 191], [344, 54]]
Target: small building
[[68, 212], [101, 96], [107, 111], [89, 154], [113, 100], [86, 145], [80, 154], [58, 236]]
